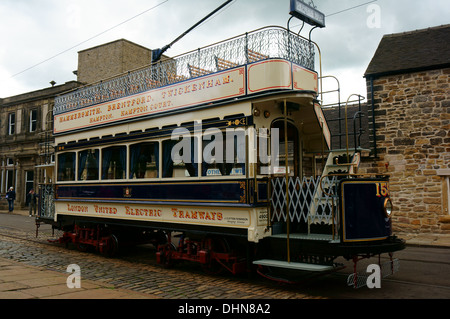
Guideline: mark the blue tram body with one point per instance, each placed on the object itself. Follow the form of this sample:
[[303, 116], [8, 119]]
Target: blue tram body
[[118, 179]]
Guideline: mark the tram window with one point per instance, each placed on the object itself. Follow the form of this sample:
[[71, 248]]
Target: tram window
[[263, 164], [114, 161], [224, 156], [66, 167], [88, 165], [282, 158], [292, 148], [144, 160], [179, 158]]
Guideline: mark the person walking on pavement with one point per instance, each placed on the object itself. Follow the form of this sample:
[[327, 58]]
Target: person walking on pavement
[[32, 202], [11, 197]]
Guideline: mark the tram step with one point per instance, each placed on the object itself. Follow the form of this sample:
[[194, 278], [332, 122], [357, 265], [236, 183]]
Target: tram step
[[292, 265]]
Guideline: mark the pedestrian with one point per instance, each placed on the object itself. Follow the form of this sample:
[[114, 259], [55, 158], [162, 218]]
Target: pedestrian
[[11, 197], [32, 198]]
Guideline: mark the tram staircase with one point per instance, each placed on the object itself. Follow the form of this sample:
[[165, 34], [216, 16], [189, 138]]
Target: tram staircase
[[313, 201]]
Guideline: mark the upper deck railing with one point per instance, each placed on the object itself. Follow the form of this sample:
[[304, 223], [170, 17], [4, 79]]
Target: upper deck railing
[[265, 43]]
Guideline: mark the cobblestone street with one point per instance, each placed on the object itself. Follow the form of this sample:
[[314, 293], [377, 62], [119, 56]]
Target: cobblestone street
[[30, 264], [137, 271]]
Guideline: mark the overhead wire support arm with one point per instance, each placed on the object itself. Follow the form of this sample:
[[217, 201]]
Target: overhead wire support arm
[[157, 53]]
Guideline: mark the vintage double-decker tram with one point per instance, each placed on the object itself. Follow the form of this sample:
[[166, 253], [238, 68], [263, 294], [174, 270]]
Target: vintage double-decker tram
[[131, 164]]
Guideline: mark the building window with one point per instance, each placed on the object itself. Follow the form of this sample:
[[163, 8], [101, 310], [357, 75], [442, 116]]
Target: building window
[[11, 123], [33, 120]]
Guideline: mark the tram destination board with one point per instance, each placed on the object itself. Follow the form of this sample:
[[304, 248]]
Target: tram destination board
[[305, 12]]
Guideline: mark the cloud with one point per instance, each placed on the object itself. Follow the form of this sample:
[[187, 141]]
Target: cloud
[[54, 31]]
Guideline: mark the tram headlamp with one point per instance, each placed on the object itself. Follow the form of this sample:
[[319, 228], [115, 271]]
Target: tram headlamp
[[388, 207]]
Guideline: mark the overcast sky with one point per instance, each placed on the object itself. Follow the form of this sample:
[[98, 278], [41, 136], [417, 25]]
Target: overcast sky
[[40, 39]]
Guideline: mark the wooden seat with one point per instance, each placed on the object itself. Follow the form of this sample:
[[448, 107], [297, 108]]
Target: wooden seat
[[222, 64], [196, 71], [254, 56], [172, 77]]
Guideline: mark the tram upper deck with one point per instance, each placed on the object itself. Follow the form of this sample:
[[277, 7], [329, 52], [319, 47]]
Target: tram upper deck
[[270, 60]]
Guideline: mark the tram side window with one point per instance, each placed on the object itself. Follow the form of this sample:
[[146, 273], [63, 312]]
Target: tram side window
[[144, 160], [88, 165], [224, 156], [66, 167], [179, 158], [114, 162]]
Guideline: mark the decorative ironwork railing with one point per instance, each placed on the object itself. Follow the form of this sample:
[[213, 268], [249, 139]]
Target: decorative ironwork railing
[[269, 42], [46, 201], [311, 200]]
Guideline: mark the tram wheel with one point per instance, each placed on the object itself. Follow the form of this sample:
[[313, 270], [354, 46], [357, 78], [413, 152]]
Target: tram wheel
[[113, 246], [166, 254], [215, 245]]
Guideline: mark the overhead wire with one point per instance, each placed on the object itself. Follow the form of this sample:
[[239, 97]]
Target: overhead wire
[[89, 39], [138, 15], [351, 8]]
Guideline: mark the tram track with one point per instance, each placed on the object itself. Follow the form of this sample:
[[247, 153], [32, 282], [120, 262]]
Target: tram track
[[23, 235]]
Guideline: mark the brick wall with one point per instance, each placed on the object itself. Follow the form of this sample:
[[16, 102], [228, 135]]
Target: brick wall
[[413, 138]]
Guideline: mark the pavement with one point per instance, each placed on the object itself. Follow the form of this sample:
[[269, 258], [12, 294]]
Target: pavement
[[20, 281]]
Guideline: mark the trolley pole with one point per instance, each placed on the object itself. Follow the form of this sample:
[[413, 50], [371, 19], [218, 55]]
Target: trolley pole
[[157, 53]]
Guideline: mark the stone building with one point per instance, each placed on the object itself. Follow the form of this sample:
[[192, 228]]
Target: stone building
[[408, 85], [25, 122], [26, 119], [111, 59]]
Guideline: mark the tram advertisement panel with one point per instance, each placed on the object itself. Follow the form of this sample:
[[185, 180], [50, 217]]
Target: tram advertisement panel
[[155, 213], [202, 90]]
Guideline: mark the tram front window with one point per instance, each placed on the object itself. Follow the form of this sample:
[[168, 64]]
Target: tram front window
[[292, 148]]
